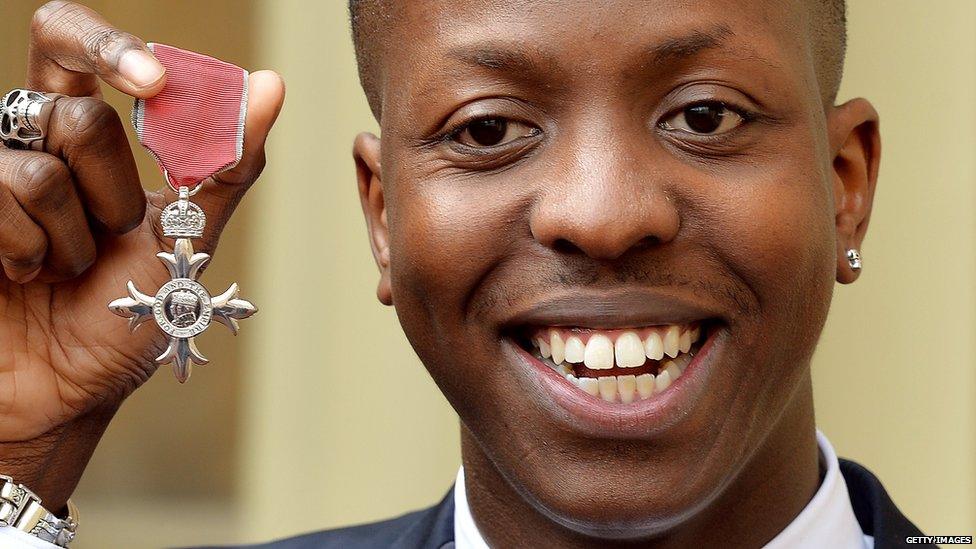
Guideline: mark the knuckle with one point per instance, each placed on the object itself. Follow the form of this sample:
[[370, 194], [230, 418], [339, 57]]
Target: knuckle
[[49, 14], [132, 218], [41, 179], [87, 117], [27, 254], [78, 264], [259, 164], [93, 40], [104, 43], [246, 173], [254, 169], [123, 220]]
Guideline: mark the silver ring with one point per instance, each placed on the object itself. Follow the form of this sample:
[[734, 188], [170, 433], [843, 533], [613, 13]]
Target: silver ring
[[24, 115]]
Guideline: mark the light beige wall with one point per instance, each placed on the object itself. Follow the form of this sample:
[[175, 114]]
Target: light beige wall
[[338, 422], [343, 423], [895, 375]]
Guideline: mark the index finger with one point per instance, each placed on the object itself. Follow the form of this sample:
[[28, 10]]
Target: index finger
[[71, 46]]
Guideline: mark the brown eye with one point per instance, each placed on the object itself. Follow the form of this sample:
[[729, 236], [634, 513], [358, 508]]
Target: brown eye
[[710, 118], [491, 132]]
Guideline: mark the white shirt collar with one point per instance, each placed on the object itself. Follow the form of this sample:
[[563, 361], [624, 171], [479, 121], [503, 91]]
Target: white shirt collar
[[466, 534], [827, 521]]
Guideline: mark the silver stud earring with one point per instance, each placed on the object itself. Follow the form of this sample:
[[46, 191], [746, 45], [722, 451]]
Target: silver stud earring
[[854, 259]]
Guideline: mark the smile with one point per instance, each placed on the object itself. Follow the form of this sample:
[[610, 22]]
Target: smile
[[620, 366]]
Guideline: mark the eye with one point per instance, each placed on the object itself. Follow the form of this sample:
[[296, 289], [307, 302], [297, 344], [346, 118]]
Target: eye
[[710, 118], [492, 132]]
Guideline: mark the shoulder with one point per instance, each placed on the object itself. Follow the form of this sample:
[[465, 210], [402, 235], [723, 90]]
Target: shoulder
[[431, 527], [376, 534], [875, 511]]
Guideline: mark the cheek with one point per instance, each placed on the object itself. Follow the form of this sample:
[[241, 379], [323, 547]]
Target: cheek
[[447, 239], [775, 229], [444, 238]]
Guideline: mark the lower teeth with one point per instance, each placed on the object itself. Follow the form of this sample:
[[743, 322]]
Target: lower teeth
[[625, 388]]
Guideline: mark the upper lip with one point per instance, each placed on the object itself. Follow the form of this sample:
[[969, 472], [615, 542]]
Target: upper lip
[[609, 310]]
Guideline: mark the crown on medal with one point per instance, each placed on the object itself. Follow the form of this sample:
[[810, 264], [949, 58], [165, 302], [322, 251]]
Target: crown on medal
[[183, 223]]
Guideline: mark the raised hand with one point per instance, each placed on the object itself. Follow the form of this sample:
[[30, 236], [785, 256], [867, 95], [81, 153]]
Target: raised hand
[[75, 224]]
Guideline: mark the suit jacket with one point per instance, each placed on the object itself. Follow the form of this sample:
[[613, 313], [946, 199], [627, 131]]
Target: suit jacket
[[433, 528]]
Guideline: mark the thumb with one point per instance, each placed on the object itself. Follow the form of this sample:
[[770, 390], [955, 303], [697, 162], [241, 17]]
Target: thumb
[[220, 194]]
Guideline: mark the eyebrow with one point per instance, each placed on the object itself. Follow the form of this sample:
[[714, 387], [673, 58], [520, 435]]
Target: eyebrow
[[683, 47], [504, 58], [496, 57]]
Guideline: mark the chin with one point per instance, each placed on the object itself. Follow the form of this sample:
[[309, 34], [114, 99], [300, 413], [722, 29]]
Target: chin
[[618, 498]]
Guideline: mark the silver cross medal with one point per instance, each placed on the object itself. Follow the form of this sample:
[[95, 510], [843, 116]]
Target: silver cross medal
[[182, 307]]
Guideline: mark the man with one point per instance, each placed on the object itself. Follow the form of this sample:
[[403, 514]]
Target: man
[[610, 231]]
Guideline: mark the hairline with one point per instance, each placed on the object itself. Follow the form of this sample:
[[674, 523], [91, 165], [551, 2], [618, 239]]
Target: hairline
[[828, 30]]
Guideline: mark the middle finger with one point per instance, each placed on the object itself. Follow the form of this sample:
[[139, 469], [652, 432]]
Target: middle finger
[[88, 134], [42, 185]]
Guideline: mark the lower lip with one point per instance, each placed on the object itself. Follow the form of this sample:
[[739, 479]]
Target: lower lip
[[642, 419]]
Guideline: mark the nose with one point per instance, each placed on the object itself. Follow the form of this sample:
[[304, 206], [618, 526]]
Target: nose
[[607, 200]]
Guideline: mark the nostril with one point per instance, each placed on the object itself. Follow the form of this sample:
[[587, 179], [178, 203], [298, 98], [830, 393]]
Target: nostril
[[564, 246], [647, 242]]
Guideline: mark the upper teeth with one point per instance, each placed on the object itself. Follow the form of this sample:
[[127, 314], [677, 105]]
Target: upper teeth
[[602, 350], [629, 350], [599, 353], [575, 351]]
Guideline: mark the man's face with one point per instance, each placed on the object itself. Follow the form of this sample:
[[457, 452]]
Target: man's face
[[598, 168]]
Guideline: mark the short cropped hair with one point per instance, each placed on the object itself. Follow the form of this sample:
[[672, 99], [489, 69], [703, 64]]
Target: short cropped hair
[[828, 30]]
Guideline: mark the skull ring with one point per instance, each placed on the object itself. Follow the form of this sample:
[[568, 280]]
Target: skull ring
[[24, 115]]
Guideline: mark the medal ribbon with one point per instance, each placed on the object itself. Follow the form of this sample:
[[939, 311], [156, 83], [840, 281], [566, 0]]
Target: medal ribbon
[[194, 127]]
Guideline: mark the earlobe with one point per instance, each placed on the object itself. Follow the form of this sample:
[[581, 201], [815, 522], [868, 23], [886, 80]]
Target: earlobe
[[384, 290], [855, 145], [366, 151]]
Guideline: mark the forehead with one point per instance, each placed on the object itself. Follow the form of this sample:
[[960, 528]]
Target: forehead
[[438, 43], [590, 18]]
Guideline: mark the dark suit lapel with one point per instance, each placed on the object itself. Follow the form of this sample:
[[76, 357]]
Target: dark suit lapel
[[434, 530], [877, 515], [875, 512]]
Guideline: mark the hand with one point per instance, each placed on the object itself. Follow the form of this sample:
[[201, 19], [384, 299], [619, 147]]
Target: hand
[[75, 224]]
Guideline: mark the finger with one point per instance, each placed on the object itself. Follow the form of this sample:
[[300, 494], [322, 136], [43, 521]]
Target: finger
[[42, 185], [266, 94], [220, 194], [71, 45], [88, 134], [22, 243]]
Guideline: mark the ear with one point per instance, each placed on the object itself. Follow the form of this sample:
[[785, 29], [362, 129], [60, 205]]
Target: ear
[[366, 151], [855, 146]]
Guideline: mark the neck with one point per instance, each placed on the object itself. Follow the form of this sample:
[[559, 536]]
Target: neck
[[768, 493]]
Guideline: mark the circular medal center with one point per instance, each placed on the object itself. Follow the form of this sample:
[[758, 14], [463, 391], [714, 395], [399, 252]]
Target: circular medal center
[[183, 308]]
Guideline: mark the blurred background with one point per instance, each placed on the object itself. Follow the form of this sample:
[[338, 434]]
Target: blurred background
[[321, 415]]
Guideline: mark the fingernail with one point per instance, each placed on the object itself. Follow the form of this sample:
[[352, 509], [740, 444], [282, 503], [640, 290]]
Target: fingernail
[[140, 68]]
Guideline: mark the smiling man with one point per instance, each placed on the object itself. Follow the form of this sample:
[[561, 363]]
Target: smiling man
[[629, 214]]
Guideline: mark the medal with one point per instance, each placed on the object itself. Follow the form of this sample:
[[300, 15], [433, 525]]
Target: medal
[[194, 128]]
